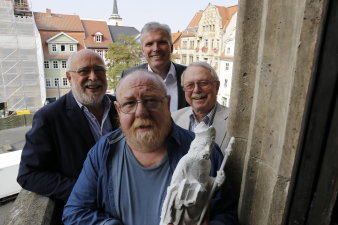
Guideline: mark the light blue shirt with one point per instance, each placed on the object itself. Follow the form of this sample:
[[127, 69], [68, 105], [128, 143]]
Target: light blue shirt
[[96, 128], [143, 190]]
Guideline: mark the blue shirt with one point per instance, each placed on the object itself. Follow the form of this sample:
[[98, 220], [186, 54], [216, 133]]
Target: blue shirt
[[143, 190], [96, 197], [96, 128], [207, 120]]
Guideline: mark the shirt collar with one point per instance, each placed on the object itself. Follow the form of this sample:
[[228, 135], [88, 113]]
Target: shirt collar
[[208, 119], [171, 73]]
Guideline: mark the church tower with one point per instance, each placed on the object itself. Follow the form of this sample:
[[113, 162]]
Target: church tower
[[115, 18]]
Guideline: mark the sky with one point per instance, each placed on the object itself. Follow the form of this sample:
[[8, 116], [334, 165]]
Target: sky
[[135, 13]]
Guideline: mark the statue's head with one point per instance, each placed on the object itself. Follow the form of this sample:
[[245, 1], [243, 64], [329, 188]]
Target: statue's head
[[204, 140]]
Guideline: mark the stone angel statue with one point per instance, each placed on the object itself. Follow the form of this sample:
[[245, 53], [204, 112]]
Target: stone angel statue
[[191, 187]]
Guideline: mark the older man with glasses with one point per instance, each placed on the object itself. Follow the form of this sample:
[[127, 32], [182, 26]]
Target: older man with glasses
[[200, 84], [126, 174], [63, 132]]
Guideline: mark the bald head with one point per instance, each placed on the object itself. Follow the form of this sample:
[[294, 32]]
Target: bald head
[[139, 75], [80, 54]]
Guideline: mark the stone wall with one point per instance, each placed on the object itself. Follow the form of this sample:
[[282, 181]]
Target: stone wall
[[16, 121], [276, 45]]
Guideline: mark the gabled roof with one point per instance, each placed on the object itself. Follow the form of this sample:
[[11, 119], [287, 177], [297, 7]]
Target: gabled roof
[[115, 31], [226, 13], [196, 19], [52, 39], [96, 27], [53, 21], [176, 39], [175, 36]]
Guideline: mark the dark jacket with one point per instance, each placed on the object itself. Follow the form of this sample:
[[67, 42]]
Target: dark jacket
[[179, 70], [56, 148]]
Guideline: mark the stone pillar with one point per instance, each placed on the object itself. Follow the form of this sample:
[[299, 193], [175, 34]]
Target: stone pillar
[[242, 87], [276, 43]]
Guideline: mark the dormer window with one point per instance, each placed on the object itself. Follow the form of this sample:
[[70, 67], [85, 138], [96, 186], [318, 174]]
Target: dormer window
[[98, 36]]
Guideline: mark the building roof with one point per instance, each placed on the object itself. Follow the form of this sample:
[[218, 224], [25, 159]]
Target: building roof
[[175, 36], [226, 13], [53, 21], [93, 27], [115, 31], [176, 39], [196, 19]]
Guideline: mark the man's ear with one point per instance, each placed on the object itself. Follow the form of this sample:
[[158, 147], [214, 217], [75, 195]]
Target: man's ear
[[217, 85], [116, 104], [168, 97], [69, 77]]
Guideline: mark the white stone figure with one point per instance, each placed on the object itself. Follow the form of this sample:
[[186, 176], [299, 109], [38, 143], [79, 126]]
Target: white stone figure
[[191, 187]]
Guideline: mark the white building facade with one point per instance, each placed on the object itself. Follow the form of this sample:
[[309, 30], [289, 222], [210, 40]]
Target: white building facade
[[210, 37]]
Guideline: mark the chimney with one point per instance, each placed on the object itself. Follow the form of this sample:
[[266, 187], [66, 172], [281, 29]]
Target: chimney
[[49, 12]]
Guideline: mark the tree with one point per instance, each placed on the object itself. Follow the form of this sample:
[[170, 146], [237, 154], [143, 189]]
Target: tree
[[122, 55]]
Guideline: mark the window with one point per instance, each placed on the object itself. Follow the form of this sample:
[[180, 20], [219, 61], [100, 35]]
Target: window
[[55, 64], [184, 45], [63, 48], [225, 83], [53, 48], [228, 51], [63, 64], [71, 48], [64, 81], [98, 38], [226, 66], [56, 82], [184, 59], [191, 58], [48, 84], [100, 52], [206, 42], [46, 63], [191, 44], [224, 101], [197, 58]]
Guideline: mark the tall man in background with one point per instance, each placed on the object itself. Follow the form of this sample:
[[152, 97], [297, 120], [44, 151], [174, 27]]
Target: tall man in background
[[63, 131], [156, 43]]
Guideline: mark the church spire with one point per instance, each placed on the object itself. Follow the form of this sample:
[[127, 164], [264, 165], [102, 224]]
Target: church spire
[[115, 18], [115, 10]]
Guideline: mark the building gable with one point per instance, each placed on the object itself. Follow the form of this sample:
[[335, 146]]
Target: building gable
[[62, 38]]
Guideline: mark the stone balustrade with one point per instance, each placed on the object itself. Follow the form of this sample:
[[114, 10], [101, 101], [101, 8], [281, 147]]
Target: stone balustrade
[[30, 208]]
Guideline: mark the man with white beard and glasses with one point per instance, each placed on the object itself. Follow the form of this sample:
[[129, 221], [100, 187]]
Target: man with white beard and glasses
[[126, 174], [63, 132]]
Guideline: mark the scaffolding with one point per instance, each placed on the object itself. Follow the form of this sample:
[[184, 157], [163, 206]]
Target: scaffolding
[[22, 83]]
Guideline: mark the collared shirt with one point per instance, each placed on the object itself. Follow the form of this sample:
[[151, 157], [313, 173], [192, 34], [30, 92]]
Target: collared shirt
[[207, 120], [96, 128], [171, 84]]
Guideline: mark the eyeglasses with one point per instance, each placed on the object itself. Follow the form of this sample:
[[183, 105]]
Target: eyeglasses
[[85, 71], [203, 84], [151, 104]]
